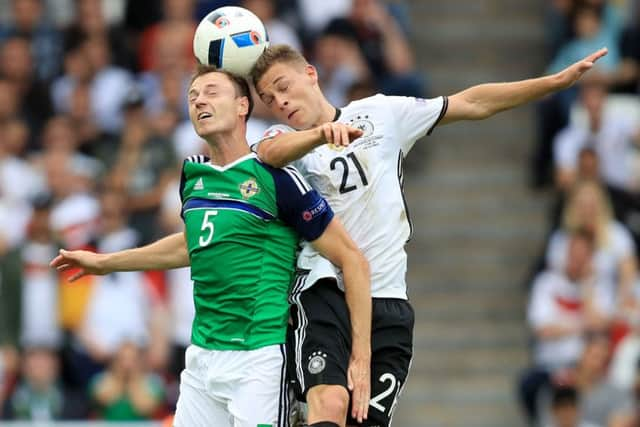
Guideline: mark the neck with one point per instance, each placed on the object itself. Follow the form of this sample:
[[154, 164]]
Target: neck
[[227, 147], [327, 113]]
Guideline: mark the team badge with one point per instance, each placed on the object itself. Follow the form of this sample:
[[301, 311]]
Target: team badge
[[363, 123], [317, 362], [249, 188]]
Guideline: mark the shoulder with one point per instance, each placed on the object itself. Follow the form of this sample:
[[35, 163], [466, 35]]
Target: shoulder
[[275, 130], [197, 158], [619, 232], [287, 178], [546, 280]]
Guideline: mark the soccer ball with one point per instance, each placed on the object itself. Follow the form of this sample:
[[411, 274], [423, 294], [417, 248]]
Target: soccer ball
[[231, 38]]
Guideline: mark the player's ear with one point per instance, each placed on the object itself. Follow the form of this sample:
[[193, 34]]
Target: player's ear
[[243, 106], [311, 72]]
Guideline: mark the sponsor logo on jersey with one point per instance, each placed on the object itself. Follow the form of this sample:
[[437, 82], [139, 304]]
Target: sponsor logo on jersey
[[199, 185], [319, 208], [317, 362], [364, 124], [249, 188]]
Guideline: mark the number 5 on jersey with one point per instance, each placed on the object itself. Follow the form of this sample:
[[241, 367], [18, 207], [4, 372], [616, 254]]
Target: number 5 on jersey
[[207, 228]]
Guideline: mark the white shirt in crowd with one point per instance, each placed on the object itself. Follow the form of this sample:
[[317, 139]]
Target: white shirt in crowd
[[118, 309], [605, 260], [363, 184], [613, 144], [40, 326], [556, 300]]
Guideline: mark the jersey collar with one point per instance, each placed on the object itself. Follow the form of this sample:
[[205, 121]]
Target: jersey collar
[[232, 164], [337, 116]]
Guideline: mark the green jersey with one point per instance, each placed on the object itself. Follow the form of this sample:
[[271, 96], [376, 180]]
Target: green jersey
[[243, 222]]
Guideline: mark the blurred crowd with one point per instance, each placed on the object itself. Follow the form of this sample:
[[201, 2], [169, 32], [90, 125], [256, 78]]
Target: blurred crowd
[[584, 303], [93, 130]]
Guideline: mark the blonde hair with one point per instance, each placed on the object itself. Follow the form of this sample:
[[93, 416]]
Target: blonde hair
[[274, 55], [571, 218]]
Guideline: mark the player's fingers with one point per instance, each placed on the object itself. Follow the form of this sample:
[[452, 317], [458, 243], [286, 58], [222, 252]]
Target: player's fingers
[[56, 261], [355, 133], [326, 129], [344, 136], [335, 134], [597, 55], [77, 275], [63, 267]]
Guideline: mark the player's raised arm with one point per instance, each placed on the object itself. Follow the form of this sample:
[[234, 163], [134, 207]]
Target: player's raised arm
[[280, 148], [485, 100], [166, 253], [336, 245]]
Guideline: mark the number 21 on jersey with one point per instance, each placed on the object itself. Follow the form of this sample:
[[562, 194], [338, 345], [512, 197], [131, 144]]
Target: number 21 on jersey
[[207, 228], [345, 186]]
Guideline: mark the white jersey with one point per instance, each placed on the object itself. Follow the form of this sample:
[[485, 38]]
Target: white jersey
[[363, 185]]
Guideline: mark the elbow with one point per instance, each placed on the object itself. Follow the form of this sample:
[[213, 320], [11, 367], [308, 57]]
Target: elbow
[[272, 155]]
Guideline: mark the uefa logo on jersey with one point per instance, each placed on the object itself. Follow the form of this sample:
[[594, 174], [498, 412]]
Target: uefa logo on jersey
[[249, 188], [317, 362], [363, 123]]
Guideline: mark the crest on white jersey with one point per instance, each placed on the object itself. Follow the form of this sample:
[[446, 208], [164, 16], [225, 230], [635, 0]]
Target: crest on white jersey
[[363, 123]]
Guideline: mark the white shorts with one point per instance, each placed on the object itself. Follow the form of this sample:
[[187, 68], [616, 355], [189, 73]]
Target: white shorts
[[233, 388]]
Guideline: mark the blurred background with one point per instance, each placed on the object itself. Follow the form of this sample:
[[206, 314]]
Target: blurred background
[[522, 267]]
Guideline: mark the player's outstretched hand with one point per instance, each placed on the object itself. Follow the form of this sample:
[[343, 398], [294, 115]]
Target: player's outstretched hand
[[339, 134], [574, 72], [86, 262], [359, 383]]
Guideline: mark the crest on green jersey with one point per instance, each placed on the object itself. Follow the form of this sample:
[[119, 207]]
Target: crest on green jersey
[[249, 188]]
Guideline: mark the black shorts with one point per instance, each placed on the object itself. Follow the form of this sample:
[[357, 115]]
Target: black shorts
[[320, 346]]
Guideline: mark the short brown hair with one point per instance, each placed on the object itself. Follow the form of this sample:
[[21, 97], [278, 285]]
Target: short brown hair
[[239, 83], [273, 55]]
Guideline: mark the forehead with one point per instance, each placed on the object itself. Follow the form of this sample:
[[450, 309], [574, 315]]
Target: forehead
[[213, 78], [276, 72]]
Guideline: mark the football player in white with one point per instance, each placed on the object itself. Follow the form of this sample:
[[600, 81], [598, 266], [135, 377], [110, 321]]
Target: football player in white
[[353, 156]]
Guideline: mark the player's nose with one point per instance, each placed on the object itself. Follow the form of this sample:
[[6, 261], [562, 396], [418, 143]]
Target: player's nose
[[282, 102]]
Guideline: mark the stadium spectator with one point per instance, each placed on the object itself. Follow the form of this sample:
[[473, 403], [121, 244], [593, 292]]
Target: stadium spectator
[[592, 28], [612, 136], [563, 306], [126, 391], [120, 308], [279, 31], [565, 408], [90, 21], [178, 19], [40, 396], [144, 165], [17, 66], [39, 326], [45, 41], [340, 64], [384, 46], [615, 262], [602, 403]]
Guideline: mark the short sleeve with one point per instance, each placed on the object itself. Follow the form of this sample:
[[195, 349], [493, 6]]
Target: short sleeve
[[270, 133], [299, 205], [566, 149], [622, 241], [540, 309], [556, 255], [415, 117]]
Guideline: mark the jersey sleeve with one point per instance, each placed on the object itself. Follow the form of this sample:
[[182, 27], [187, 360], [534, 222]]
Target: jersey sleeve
[[415, 117], [299, 205], [270, 133]]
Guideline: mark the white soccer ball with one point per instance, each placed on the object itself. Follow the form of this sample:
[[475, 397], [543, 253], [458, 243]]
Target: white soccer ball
[[231, 38]]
